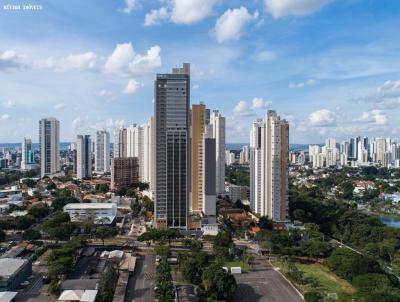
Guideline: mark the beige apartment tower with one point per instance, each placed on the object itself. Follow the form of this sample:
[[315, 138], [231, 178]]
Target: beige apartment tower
[[197, 132]]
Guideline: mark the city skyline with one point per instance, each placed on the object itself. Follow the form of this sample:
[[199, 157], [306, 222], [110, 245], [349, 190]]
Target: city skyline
[[316, 72]]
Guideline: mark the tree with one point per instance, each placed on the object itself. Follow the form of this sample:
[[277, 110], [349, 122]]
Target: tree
[[39, 211], [371, 282], [31, 234], [107, 284], [217, 283], [29, 182], [348, 264], [24, 222], [102, 188], [164, 289], [313, 296], [192, 265], [265, 223], [51, 186], [104, 232], [316, 248]]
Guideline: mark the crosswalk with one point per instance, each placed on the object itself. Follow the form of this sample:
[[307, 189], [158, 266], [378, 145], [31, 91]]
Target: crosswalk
[[149, 275]]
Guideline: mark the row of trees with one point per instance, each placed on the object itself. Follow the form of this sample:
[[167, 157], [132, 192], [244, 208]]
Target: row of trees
[[365, 273], [205, 271], [62, 260]]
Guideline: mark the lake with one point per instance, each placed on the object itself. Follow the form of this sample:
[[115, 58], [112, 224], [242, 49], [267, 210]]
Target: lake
[[390, 221]]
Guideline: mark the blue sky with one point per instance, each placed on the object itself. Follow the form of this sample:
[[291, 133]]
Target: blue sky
[[331, 67]]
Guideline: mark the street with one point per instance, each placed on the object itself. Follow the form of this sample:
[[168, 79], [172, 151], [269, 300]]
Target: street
[[141, 285], [263, 283]]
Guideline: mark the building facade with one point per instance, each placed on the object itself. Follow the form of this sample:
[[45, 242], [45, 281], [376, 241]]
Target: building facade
[[124, 172], [269, 167], [49, 141], [27, 153], [102, 152], [218, 123], [83, 156], [172, 156]]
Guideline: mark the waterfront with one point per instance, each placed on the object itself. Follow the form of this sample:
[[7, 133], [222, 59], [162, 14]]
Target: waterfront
[[391, 221]]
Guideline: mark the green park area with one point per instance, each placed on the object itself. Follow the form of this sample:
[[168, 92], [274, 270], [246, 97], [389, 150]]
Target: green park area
[[318, 277]]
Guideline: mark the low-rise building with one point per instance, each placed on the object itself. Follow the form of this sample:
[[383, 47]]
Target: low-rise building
[[102, 213], [13, 272]]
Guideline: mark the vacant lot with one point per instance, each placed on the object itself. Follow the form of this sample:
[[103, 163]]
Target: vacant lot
[[328, 281]]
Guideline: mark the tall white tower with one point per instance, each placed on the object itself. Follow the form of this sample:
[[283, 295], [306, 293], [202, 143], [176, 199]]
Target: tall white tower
[[102, 152], [269, 167]]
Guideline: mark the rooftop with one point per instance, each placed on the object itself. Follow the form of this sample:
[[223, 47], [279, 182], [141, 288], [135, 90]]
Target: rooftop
[[92, 205], [9, 266]]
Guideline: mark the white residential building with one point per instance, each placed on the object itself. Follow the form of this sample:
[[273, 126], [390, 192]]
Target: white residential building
[[269, 167], [102, 152]]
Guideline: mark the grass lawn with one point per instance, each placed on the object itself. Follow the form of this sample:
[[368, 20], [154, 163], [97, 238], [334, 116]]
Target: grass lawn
[[329, 282], [244, 265]]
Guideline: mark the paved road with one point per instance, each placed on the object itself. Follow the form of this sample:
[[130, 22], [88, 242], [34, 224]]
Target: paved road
[[141, 286], [263, 283]]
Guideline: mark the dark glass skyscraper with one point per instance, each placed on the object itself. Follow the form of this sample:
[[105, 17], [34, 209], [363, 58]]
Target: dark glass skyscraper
[[172, 160]]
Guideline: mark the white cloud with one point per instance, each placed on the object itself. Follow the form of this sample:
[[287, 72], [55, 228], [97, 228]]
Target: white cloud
[[156, 16], [108, 124], [282, 8], [193, 11], [130, 5], [132, 86], [390, 89], [79, 62], [59, 106], [124, 60], [8, 104], [104, 92], [10, 59], [243, 108], [5, 117], [240, 107], [264, 56], [299, 85], [322, 118], [259, 103], [229, 26], [375, 116]]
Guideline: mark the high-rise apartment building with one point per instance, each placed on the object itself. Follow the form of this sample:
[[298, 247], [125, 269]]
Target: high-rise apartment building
[[148, 154], [120, 143], [49, 141], [102, 152], [209, 198], [172, 156], [27, 153], [83, 156], [218, 123], [330, 152], [198, 124], [124, 172], [135, 145], [244, 156], [269, 167]]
